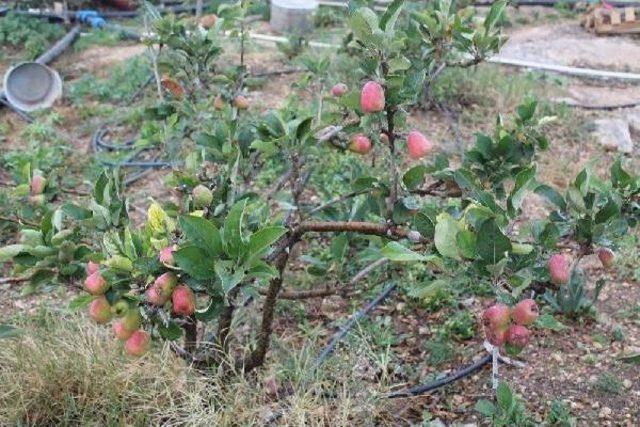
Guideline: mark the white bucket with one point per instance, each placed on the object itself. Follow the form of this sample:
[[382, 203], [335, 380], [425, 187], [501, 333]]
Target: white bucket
[[292, 16]]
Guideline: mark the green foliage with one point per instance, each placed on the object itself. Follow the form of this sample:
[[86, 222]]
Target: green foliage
[[123, 80], [560, 415], [508, 409], [608, 383], [572, 299], [439, 352], [32, 36], [450, 229]]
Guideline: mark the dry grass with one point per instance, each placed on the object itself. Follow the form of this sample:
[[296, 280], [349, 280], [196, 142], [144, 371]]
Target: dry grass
[[64, 370]]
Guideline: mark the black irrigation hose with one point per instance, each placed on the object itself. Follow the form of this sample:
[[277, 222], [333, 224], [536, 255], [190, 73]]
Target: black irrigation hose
[[457, 375], [98, 145], [102, 13], [344, 330]]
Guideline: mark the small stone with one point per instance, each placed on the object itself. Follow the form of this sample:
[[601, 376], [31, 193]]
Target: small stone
[[614, 134], [605, 412], [627, 383]]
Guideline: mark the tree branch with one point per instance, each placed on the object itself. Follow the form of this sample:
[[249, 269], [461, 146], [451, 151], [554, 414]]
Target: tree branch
[[291, 294], [371, 228]]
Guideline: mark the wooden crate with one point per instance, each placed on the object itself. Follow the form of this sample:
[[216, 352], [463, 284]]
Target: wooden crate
[[603, 21]]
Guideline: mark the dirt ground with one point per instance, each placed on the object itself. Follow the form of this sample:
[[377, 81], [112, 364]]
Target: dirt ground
[[564, 365]]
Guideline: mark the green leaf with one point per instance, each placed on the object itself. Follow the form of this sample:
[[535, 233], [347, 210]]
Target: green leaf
[[485, 407], [547, 321], [469, 182], [619, 177], [414, 176], [80, 302], [390, 16], [363, 23], [339, 246], [201, 233], [496, 11], [212, 311], [608, 211], [398, 253], [229, 278], [505, 396], [428, 291], [466, 242], [551, 195], [263, 239], [170, 332], [158, 219], [445, 237], [76, 212], [195, 262], [523, 182], [232, 233], [10, 251], [492, 243]]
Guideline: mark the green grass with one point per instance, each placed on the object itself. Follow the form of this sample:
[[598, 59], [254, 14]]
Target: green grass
[[120, 85], [29, 36]]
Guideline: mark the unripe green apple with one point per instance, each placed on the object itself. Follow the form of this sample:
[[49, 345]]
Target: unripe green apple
[[120, 308], [202, 196], [125, 327]]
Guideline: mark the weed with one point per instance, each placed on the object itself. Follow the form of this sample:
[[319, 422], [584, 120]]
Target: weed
[[508, 410], [609, 384], [560, 416], [123, 81], [30, 35], [439, 352]]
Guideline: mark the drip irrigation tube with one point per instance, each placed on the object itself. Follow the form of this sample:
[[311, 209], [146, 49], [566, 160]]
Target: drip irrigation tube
[[99, 145], [104, 14], [344, 330], [457, 375]]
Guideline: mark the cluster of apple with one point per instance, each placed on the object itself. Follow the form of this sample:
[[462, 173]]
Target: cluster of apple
[[505, 326], [372, 100], [128, 320]]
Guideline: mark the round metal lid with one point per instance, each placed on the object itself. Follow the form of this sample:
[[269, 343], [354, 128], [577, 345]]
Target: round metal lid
[[31, 86]]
